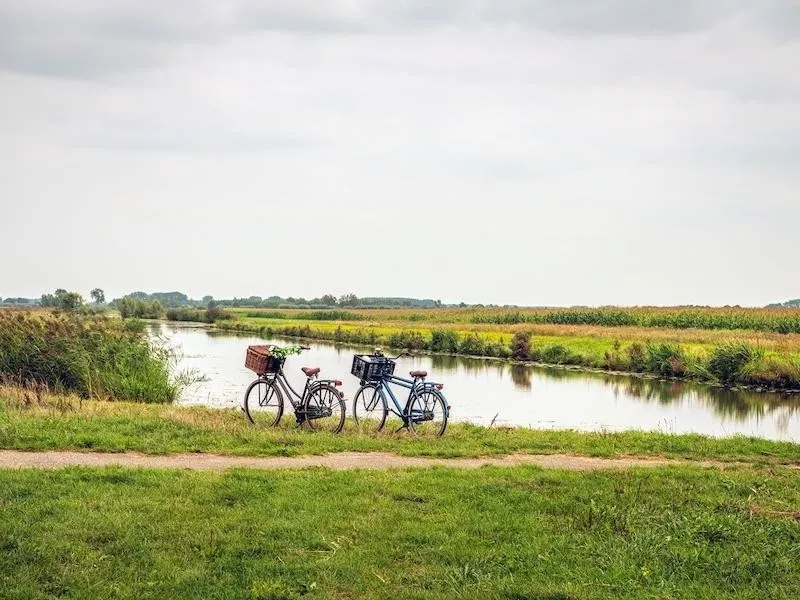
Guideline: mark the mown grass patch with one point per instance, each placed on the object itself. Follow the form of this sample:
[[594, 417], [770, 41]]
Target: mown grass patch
[[437, 533]]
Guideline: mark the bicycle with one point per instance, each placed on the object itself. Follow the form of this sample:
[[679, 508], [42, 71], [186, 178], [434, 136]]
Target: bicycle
[[320, 407], [425, 412]]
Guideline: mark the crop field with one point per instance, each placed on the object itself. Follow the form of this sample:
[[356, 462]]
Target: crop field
[[774, 320]]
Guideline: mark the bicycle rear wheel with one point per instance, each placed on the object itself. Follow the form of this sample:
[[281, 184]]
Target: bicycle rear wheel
[[427, 413], [369, 409], [263, 403], [324, 409]]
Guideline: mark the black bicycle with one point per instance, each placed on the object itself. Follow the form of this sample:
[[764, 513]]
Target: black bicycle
[[320, 407], [425, 412]]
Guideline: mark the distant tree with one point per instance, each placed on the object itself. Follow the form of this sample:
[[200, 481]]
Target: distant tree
[[207, 299], [48, 300], [348, 300], [328, 300], [98, 296], [67, 300], [142, 309]]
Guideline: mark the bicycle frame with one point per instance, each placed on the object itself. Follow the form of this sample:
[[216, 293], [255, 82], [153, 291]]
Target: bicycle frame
[[290, 392], [411, 385]]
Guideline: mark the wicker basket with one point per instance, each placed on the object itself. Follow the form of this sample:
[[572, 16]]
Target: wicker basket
[[260, 360]]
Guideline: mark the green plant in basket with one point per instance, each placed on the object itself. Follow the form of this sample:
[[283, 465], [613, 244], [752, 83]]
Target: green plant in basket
[[281, 352]]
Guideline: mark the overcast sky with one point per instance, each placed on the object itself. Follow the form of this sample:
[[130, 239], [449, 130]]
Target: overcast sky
[[542, 152]]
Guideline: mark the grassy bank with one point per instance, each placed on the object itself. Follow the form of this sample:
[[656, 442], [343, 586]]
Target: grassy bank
[[92, 356], [439, 533], [50, 422], [727, 357]]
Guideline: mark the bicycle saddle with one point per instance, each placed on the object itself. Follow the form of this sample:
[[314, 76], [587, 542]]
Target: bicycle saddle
[[309, 371], [418, 374]]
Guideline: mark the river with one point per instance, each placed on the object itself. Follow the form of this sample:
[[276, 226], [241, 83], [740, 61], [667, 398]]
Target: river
[[483, 391]]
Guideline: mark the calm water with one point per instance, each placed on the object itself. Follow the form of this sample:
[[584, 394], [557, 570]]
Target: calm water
[[481, 390]]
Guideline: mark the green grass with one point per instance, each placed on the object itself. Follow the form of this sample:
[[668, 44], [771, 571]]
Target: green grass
[[58, 422], [682, 533]]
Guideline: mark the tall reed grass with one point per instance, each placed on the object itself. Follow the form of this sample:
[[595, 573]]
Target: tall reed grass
[[92, 356]]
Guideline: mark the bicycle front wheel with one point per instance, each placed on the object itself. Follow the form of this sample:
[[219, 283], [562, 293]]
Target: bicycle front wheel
[[263, 403], [324, 409], [369, 409], [427, 414]]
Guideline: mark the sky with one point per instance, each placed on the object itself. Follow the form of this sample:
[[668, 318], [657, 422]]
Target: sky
[[532, 152]]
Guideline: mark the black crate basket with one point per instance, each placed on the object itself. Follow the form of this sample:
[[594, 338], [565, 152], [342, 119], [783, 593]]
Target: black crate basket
[[371, 368]]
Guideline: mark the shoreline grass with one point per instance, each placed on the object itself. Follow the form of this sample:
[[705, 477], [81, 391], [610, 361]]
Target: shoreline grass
[[681, 532], [57, 422]]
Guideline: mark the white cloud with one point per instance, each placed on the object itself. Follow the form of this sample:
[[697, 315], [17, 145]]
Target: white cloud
[[528, 152]]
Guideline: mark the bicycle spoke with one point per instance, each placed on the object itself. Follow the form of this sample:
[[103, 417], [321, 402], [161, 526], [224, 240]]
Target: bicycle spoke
[[369, 409], [325, 409], [427, 413]]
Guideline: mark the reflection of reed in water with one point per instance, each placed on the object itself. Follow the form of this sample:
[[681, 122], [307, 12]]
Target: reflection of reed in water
[[521, 376], [733, 404], [445, 364]]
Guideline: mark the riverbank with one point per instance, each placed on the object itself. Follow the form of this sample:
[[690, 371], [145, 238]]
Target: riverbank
[[728, 357], [59, 422]]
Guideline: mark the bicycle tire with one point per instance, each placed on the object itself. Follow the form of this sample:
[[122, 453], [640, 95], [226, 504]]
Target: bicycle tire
[[258, 406], [378, 404]]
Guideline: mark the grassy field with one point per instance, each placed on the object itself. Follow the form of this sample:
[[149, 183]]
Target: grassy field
[[438, 533], [762, 358], [46, 422]]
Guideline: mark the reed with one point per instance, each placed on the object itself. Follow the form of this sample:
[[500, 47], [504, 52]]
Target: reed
[[89, 355]]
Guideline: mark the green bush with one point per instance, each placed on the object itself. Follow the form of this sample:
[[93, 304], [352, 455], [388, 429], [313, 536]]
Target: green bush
[[728, 362], [444, 341], [471, 345], [521, 345], [665, 359]]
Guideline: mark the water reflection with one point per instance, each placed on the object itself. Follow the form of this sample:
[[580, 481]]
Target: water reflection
[[482, 389], [725, 402]]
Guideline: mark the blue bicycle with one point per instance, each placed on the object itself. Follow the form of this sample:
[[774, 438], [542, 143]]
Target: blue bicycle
[[425, 411]]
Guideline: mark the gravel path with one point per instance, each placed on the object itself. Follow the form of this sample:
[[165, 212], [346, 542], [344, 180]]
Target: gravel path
[[14, 459]]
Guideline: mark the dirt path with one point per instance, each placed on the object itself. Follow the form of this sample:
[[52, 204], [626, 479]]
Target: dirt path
[[14, 459]]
